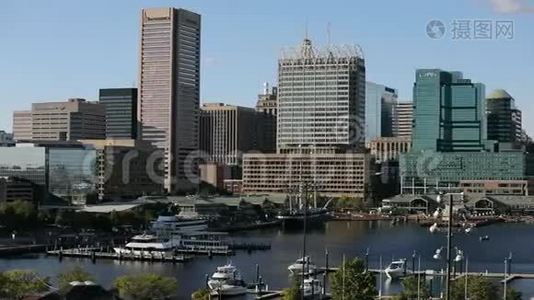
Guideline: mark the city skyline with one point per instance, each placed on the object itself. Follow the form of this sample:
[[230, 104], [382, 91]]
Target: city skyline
[[254, 62]]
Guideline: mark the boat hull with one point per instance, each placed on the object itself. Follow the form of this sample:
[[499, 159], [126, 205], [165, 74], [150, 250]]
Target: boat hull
[[297, 220]]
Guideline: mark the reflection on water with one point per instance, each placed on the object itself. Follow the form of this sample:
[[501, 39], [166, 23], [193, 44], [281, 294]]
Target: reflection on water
[[340, 238]]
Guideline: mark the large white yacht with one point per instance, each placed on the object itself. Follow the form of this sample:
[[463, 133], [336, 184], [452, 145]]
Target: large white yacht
[[166, 225], [146, 245], [226, 281], [302, 266]]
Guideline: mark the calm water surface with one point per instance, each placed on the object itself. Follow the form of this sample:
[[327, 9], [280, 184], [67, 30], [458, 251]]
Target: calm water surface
[[340, 238]]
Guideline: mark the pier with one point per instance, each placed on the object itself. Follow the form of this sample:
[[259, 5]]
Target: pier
[[93, 254]]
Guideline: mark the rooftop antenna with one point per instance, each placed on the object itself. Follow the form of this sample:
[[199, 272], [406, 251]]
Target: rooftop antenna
[[328, 33], [306, 29]]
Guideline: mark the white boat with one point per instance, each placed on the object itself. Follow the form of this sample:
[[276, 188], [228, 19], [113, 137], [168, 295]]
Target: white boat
[[165, 225], [302, 265], [312, 287], [203, 241], [226, 281], [146, 245], [396, 269]]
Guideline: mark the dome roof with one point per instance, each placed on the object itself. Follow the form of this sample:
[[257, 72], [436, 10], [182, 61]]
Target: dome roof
[[499, 94]]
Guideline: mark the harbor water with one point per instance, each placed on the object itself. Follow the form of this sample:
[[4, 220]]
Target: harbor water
[[341, 238]]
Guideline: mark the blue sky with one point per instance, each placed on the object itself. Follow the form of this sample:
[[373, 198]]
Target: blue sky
[[55, 49]]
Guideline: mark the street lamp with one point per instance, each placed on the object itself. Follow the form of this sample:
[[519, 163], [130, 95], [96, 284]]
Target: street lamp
[[437, 255]]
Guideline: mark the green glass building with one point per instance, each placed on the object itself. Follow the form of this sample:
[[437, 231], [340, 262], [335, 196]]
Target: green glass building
[[450, 146], [449, 112]]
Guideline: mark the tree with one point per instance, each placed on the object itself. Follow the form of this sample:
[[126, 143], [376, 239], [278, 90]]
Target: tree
[[478, 288], [410, 290], [16, 284], [351, 281], [75, 274], [293, 292], [145, 286], [202, 294], [512, 294], [18, 215]]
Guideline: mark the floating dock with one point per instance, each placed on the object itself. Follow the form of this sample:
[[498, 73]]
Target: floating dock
[[94, 255]]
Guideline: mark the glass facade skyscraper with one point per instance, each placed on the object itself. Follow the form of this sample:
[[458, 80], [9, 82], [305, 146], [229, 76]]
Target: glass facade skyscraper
[[449, 112], [504, 119], [121, 112], [67, 173], [380, 104]]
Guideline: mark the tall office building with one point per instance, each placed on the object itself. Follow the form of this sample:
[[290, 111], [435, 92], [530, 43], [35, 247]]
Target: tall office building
[[403, 119], [504, 119], [380, 103], [321, 99], [22, 125], [320, 126], [268, 101], [168, 106], [121, 112], [228, 131], [73, 119], [450, 112], [450, 149]]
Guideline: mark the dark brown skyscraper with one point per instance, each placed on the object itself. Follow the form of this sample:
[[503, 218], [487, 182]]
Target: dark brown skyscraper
[[169, 80]]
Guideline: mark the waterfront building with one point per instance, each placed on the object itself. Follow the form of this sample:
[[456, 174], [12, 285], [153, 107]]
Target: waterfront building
[[496, 187], [228, 131], [233, 186], [450, 112], [63, 172], [430, 172], [169, 81], [320, 126], [13, 189], [87, 171], [475, 202], [389, 148], [380, 102], [403, 119], [22, 125], [329, 174], [6, 139], [268, 100], [504, 119], [450, 148], [123, 169], [321, 99], [121, 112]]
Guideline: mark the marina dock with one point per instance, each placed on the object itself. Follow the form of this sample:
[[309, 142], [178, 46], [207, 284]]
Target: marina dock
[[93, 254]]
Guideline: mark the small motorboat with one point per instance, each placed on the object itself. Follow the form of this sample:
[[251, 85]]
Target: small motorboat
[[302, 266], [484, 238], [312, 287], [396, 269], [226, 281]]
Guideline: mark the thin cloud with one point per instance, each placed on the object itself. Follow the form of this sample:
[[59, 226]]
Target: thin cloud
[[210, 61], [512, 6]]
